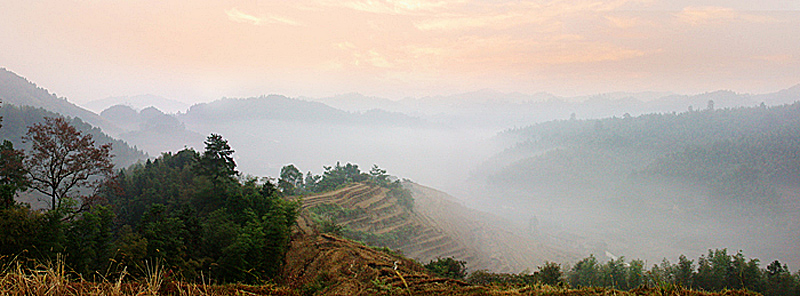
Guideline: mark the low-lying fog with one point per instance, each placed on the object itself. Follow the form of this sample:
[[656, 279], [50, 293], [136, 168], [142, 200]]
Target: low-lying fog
[[458, 145]]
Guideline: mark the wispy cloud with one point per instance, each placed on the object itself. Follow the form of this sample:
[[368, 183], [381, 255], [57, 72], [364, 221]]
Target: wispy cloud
[[710, 15], [464, 22], [393, 6], [706, 15], [238, 16]]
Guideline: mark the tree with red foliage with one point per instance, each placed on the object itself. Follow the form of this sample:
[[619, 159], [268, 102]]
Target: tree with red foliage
[[64, 161]]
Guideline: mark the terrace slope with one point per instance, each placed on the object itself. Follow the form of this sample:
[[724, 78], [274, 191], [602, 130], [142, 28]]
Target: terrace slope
[[436, 227]]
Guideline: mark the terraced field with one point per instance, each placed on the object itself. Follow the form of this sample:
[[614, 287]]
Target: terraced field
[[371, 210], [435, 227]]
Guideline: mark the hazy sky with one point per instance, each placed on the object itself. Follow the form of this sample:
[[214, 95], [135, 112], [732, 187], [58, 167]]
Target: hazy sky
[[199, 50]]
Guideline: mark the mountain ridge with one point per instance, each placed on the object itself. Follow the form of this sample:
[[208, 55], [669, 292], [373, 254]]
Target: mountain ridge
[[17, 90]]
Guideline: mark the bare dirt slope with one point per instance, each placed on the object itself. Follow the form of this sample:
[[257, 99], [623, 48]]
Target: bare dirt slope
[[436, 227], [323, 264]]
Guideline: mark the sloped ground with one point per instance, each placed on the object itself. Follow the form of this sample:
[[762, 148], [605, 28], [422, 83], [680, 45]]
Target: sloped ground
[[371, 210], [322, 264], [436, 227]]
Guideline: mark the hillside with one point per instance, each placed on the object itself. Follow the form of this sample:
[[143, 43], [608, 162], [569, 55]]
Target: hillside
[[15, 123], [436, 227], [16, 120], [727, 169], [17, 90]]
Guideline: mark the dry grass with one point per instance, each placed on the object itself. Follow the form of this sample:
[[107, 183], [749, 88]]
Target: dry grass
[[52, 278], [316, 265]]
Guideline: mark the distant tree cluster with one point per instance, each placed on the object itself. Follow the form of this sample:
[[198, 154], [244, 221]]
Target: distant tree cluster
[[292, 182], [549, 273], [715, 271], [448, 267]]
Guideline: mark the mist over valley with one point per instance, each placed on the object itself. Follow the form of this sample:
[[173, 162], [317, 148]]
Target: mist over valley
[[640, 175]]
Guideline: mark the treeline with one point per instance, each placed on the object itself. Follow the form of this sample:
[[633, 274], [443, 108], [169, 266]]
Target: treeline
[[191, 213], [196, 213], [715, 271]]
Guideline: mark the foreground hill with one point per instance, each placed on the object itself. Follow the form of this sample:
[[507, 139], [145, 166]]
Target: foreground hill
[[434, 227]]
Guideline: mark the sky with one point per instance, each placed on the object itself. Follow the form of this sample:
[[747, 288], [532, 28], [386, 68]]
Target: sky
[[202, 50]]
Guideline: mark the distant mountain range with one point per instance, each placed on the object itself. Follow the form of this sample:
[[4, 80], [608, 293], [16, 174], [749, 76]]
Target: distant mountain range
[[488, 108]]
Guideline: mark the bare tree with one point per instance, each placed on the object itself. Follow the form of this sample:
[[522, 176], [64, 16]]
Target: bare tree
[[63, 160]]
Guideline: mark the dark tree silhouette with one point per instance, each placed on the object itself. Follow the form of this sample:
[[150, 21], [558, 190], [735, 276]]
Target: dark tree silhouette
[[12, 174], [217, 160]]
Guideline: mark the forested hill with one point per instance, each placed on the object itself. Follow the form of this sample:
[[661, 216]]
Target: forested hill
[[281, 108], [740, 152], [16, 120], [658, 185], [17, 90]]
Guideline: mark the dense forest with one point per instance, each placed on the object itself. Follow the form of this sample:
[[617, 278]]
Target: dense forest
[[191, 212]]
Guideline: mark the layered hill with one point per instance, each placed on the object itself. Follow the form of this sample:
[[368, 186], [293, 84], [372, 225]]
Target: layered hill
[[643, 184], [16, 120], [16, 90], [434, 227], [152, 130]]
